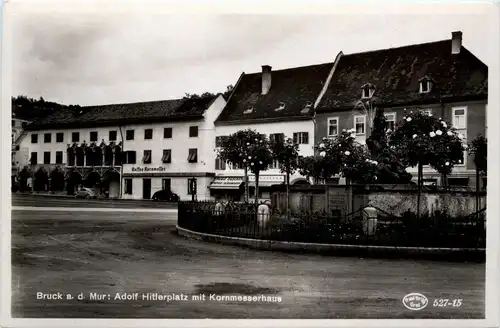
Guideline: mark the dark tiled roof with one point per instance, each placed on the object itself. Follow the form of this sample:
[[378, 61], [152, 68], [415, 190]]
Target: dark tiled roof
[[143, 112], [396, 72], [294, 87]]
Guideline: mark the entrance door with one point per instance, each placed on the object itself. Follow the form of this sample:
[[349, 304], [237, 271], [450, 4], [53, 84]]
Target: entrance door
[[146, 188]]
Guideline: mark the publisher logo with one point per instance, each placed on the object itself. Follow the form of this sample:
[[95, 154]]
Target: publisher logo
[[415, 301]]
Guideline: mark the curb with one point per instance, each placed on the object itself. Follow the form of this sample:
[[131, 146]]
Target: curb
[[94, 199], [460, 254]]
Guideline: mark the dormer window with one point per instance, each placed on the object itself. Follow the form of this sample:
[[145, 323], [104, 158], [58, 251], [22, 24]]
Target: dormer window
[[281, 106], [307, 108], [249, 110], [425, 84], [367, 91]]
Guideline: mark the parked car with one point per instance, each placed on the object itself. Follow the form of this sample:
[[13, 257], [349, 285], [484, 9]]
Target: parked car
[[85, 193], [165, 196]]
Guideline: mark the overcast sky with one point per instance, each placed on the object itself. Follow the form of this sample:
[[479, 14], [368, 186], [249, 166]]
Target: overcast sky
[[99, 57]]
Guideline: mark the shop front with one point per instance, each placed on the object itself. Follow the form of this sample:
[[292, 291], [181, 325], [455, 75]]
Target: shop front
[[233, 187], [141, 182]]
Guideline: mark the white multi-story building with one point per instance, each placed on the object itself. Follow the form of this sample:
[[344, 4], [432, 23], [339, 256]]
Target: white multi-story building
[[279, 104], [128, 150]]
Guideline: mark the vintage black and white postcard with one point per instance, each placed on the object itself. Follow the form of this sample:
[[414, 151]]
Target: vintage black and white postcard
[[237, 160]]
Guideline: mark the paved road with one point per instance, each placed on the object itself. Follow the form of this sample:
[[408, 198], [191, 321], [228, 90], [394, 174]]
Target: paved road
[[51, 201], [85, 252]]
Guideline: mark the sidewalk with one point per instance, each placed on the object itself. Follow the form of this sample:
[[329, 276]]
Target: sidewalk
[[63, 195]]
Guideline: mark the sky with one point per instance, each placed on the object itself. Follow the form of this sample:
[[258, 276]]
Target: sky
[[104, 54]]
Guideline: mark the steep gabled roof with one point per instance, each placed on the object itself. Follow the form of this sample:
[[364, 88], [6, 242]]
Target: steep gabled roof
[[133, 113], [294, 88], [395, 74]]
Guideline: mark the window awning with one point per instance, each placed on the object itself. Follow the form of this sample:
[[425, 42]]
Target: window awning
[[226, 183]]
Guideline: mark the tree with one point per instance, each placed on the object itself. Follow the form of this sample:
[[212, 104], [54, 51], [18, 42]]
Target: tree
[[287, 155], [390, 168], [479, 149], [227, 93], [311, 167], [258, 155], [343, 155], [368, 109], [421, 139], [234, 149]]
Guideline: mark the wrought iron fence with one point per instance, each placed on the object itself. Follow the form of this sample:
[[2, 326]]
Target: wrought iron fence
[[244, 220]]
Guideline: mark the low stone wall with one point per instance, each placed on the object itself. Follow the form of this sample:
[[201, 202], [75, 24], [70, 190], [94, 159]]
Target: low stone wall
[[457, 254], [456, 204]]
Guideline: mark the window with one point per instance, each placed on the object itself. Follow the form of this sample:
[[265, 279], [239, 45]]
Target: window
[[128, 186], [75, 137], [93, 136], [281, 106], [360, 124], [47, 137], [112, 135], [220, 164], [130, 157], [278, 137], [191, 186], [34, 138], [459, 115], [193, 155], [193, 131], [301, 138], [34, 158], [167, 133], [274, 165], [167, 156], [129, 135], [367, 91], [390, 121], [146, 159], [166, 184], [59, 157], [148, 134], [249, 110], [426, 111], [59, 137], [425, 86], [460, 118], [333, 126], [46, 157]]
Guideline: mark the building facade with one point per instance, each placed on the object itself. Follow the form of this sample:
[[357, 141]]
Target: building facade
[[18, 157], [442, 78], [279, 104], [125, 150]]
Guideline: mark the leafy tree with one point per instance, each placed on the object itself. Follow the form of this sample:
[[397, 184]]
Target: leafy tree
[[32, 109], [390, 168], [311, 167], [235, 149], [343, 155], [368, 109], [422, 139], [225, 94], [287, 155], [259, 156], [479, 149]]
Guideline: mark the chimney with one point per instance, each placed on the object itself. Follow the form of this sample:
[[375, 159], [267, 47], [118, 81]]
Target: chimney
[[456, 42], [266, 79]]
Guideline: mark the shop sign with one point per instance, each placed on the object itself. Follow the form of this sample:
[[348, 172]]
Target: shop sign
[[148, 169]]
